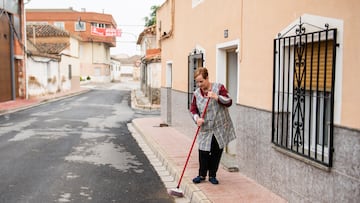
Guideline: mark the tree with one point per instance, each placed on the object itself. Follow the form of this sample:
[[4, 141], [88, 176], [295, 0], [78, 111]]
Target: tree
[[149, 21]]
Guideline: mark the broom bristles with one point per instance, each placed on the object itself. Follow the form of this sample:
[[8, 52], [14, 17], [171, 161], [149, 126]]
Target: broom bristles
[[176, 192]]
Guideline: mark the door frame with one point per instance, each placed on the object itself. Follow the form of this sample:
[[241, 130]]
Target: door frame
[[221, 61]]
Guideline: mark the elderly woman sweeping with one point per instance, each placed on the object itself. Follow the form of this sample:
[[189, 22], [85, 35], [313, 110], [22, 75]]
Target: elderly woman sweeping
[[216, 127]]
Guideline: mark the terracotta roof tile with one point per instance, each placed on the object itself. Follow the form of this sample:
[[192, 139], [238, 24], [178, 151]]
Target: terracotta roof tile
[[153, 54], [147, 31], [128, 60], [51, 48], [45, 31]]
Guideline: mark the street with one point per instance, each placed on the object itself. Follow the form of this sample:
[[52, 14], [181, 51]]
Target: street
[[78, 149]]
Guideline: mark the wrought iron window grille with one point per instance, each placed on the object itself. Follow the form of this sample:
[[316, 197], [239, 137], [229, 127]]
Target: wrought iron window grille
[[195, 60], [303, 92]]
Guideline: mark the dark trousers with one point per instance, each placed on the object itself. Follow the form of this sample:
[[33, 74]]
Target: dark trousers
[[209, 161]]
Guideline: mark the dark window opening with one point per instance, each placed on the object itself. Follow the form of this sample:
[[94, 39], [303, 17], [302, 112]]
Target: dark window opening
[[70, 73], [195, 60]]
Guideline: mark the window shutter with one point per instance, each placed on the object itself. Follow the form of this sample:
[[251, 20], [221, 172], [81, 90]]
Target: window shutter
[[317, 71]]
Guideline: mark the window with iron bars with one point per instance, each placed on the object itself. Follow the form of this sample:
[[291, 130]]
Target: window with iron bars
[[195, 60], [303, 94]]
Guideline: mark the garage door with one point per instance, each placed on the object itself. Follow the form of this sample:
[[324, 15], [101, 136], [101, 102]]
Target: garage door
[[5, 67]]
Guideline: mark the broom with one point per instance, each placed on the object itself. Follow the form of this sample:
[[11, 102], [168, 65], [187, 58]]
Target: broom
[[177, 191]]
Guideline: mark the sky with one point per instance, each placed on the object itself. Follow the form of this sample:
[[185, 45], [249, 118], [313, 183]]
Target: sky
[[128, 14]]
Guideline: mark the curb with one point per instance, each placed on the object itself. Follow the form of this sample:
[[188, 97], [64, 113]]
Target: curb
[[136, 105], [191, 191]]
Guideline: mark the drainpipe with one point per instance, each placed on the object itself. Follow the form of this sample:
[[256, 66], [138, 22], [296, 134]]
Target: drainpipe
[[172, 16], [25, 64], [241, 31], [12, 65]]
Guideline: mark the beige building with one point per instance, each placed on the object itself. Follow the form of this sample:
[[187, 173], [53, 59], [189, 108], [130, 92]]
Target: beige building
[[97, 33], [291, 69], [150, 68]]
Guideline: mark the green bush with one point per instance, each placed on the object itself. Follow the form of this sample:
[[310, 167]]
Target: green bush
[[88, 78]]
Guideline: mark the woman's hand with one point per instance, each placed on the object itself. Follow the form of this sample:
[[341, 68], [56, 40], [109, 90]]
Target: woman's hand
[[212, 95], [199, 121]]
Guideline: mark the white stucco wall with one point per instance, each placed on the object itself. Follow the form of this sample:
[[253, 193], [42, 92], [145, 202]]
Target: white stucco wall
[[115, 70], [42, 76], [67, 63], [154, 76]]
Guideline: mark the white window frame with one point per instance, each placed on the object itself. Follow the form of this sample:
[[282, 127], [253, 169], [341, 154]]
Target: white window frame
[[60, 25], [80, 26], [305, 140]]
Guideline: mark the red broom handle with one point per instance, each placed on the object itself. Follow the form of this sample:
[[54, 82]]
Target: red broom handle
[[192, 145]]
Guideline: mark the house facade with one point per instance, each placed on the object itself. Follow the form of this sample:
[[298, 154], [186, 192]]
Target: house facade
[[150, 68], [97, 32], [129, 67], [52, 60], [291, 71], [115, 70], [12, 54]]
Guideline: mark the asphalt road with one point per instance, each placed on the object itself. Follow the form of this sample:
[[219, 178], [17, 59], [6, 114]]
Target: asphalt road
[[77, 149]]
